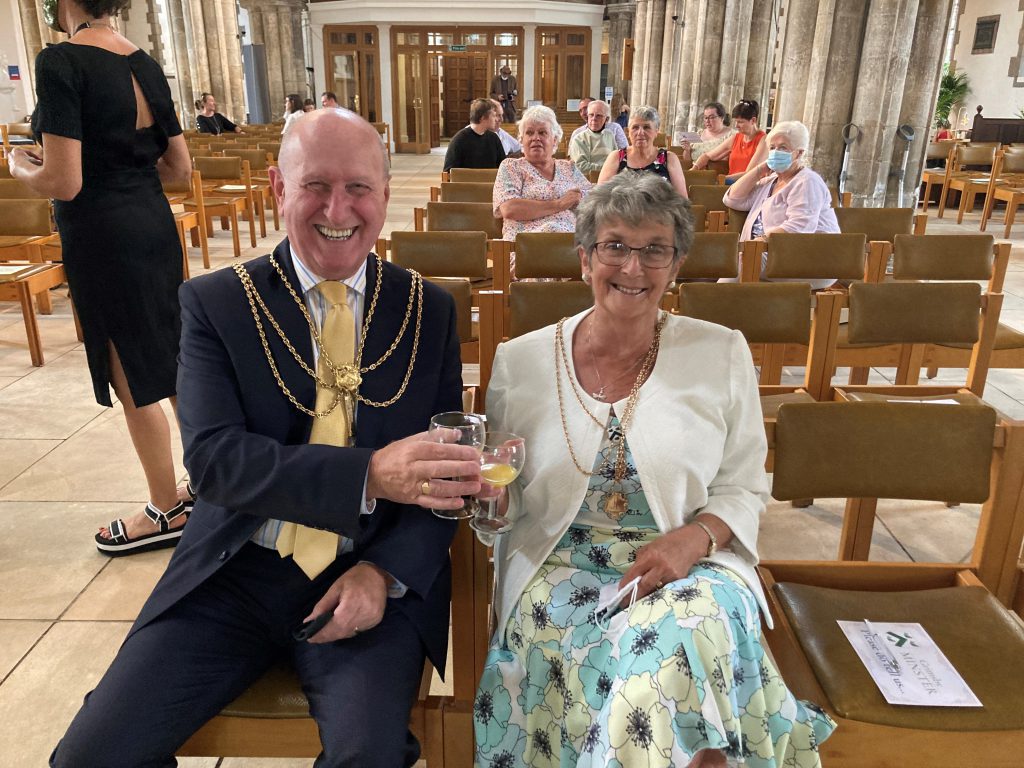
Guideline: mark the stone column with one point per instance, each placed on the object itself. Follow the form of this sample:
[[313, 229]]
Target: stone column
[[36, 34], [708, 72], [876, 107], [673, 20], [684, 62], [216, 54], [920, 93], [620, 18], [760, 48], [639, 51], [651, 73], [181, 37], [796, 59], [735, 42], [277, 26]]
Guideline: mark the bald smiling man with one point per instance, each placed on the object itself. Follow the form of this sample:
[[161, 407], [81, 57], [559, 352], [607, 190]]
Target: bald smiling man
[[233, 598]]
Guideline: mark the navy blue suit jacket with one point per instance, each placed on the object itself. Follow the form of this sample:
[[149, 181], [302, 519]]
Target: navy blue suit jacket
[[247, 450]]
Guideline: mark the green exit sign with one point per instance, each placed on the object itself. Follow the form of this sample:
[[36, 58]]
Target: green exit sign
[[457, 49]]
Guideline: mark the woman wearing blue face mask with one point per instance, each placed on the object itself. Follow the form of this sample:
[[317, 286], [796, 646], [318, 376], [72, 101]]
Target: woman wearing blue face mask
[[781, 194]]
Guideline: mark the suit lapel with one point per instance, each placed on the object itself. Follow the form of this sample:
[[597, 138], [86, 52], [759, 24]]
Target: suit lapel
[[293, 324], [387, 319]]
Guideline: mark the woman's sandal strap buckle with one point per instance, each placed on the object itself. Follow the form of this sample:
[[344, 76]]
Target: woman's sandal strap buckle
[[163, 519]]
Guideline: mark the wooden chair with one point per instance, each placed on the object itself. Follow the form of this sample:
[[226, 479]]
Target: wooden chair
[[535, 305], [806, 256], [705, 178], [263, 196], [713, 256], [273, 147], [20, 282], [880, 226], [227, 186], [479, 175], [13, 189], [25, 226], [208, 207], [1006, 184], [771, 317], [930, 177], [384, 129], [700, 216], [458, 217], [547, 255], [272, 719], [463, 192], [978, 157], [710, 196], [863, 451], [189, 220], [454, 260]]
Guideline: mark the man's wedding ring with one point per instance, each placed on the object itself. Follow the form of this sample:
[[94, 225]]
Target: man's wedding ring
[[425, 487]]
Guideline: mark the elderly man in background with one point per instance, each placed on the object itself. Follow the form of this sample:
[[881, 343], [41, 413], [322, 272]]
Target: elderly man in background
[[620, 135], [477, 145], [590, 148], [509, 142], [504, 90]]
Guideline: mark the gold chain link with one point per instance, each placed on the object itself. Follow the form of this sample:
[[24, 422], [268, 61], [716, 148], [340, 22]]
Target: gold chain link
[[347, 378], [627, 415]]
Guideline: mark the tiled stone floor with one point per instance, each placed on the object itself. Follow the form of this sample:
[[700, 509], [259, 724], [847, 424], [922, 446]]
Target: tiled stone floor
[[66, 466]]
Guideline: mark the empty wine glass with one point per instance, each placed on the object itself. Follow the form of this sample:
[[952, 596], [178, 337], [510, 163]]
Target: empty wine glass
[[458, 428], [501, 461]]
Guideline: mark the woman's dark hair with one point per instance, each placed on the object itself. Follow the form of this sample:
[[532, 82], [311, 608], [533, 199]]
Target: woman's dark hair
[[746, 110], [308, 103], [201, 99], [97, 8], [719, 110], [294, 103]]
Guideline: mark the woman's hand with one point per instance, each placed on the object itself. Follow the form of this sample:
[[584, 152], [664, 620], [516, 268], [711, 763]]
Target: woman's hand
[[700, 163], [570, 199], [21, 160], [666, 559]]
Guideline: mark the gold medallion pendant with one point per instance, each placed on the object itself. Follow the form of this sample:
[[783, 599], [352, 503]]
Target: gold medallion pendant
[[615, 505]]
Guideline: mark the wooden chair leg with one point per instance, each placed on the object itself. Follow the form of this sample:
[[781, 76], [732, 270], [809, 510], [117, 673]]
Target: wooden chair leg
[[28, 312], [277, 217], [204, 246], [1011, 214], [250, 214], [234, 233], [44, 303], [859, 375]]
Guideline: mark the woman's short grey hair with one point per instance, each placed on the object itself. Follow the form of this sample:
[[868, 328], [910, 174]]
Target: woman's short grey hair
[[646, 114], [795, 131], [635, 199], [541, 114]]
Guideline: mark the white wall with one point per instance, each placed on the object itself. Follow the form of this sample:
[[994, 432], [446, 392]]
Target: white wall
[[991, 84], [16, 98]]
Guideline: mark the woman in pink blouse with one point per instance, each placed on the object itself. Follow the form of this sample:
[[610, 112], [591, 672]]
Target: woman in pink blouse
[[536, 192], [781, 194]]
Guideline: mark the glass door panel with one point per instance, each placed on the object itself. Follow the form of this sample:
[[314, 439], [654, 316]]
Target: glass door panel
[[346, 80], [368, 100], [549, 79], [411, 127]]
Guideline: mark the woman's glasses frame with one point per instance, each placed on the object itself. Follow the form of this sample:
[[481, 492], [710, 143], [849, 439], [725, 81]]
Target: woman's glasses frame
[[613, 253]]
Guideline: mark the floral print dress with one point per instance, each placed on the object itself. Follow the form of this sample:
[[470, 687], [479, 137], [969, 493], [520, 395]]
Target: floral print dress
[[684, 671]]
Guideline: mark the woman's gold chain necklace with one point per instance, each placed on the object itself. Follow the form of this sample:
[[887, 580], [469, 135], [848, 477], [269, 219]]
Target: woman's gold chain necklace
[[347, 377], [627, 415]]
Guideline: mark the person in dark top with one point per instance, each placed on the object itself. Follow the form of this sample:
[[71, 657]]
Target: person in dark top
[[109, 135], [477, 145], [642, 156], [209, 120], [504, 90]]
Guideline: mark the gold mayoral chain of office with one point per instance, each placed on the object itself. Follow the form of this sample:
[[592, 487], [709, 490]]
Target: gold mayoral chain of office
[[347, 377], [615, 503]]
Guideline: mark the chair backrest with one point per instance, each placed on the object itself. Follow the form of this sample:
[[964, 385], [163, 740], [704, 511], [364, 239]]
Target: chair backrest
[[876, 450], [736, 220], [467, 192], [937, 150], [914, 313], [1013, 162], [765, 313], [943, 257], [441, 254], [19, 129], [463, 217], [273, 147], [213, 168], [473, 174], [536, 305], [876, 223], [976, 154], [815, 255], [258, 160], [700, 217], [220, 146], [705, 178], [25, 217], [712, 255], [13, 189], [547, 254], [461, 291], [708, 195], [201, 152]]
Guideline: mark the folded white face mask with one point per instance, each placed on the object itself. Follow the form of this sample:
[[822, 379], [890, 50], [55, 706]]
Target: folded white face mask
[[614, 620]]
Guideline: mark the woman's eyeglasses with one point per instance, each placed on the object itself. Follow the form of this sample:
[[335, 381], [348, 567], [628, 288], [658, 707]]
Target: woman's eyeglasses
[[615, 254]]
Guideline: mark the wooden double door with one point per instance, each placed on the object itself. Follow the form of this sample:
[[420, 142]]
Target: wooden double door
[[465, 77]]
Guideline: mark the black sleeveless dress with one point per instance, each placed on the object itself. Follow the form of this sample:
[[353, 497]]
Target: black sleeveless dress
[[659, 167], [121, 250]]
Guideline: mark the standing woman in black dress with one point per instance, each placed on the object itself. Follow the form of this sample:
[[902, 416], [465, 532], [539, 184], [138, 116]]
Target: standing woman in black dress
[[109, 134]]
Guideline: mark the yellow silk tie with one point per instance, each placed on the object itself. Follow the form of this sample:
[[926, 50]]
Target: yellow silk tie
[[311, 548]]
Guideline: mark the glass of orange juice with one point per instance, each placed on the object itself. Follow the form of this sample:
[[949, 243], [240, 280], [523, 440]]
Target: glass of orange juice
[[501, 461]]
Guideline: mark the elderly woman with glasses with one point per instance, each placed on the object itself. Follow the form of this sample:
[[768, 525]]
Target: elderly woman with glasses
[[627, 607], [536, 192], [642, 156]]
